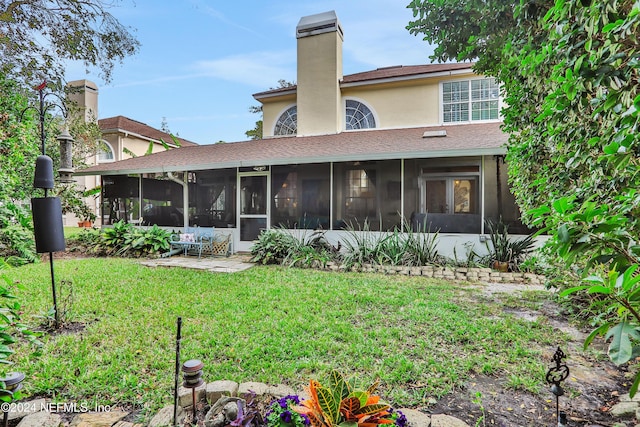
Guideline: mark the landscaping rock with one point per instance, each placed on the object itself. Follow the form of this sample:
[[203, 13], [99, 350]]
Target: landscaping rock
[[217, 389], [41, 419], [221, 412], [185, 397], [258, 388], [98, 419], [416, 418], [27, 408], [165, 417], [441, 420], [624, 409], [128, 424], [280, 390]]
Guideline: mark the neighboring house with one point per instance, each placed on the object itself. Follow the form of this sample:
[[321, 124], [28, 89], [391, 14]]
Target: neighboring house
[[419, 145], [122, 138]]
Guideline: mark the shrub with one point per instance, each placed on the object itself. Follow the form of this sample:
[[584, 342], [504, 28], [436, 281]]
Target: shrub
[[17, 244], [273, 246]]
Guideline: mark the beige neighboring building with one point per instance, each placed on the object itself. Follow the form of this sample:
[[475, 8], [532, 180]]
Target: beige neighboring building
[[122, 138], [417, 145]]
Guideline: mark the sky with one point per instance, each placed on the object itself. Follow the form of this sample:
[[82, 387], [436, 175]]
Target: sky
[[200, 61]]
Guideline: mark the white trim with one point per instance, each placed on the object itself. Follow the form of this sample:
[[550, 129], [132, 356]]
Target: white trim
[[113, 153], [467, 122], [363, 102], [406, 78], [284, 110]]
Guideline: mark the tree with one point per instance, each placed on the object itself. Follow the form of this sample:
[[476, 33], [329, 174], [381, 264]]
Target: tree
[[256, 132], [570, 75], [38, 36]]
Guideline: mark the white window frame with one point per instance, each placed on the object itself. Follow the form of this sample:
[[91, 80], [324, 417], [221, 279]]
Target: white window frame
[[275, 123], [366, 104], [470, 102], [113, 153]]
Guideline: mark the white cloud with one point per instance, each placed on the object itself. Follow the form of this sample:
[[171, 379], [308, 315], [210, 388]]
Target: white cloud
[[259, 69]]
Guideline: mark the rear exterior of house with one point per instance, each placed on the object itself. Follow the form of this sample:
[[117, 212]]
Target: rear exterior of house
[[408, 146]]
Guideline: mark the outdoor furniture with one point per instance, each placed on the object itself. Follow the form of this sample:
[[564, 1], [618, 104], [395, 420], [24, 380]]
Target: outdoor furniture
[[220, 245], [193, 239]]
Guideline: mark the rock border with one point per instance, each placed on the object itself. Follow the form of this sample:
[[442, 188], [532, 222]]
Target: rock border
[[471, 274]]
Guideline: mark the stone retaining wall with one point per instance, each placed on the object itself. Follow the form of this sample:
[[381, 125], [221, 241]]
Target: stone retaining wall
[[471, 274]]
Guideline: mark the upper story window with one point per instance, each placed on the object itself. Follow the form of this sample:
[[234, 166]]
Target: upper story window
[[105, 152], [470, 100], [287, 123], [358, 116]]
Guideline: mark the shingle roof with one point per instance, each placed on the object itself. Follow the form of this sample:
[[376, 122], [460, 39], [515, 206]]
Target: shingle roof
[[386, 73], [122, 123], [460, 140]]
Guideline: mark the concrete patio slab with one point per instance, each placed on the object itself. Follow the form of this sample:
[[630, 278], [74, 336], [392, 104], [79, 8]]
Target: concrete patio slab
[[232, 264]]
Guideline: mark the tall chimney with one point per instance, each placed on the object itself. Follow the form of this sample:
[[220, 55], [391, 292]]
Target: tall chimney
[[319, 102]]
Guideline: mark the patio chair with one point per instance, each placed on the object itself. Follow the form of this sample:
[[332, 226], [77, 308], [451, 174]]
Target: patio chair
[[193, 238]]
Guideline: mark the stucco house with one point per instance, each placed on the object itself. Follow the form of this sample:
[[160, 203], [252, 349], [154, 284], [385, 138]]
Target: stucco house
[[122, 138], [417, 145]]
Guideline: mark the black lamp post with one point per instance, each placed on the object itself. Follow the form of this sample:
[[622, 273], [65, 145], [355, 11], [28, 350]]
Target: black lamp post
[[47, 211]]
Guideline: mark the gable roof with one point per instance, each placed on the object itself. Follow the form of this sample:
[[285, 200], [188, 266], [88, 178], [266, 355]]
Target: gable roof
[[385, 74], [407, 143], [122, 124]]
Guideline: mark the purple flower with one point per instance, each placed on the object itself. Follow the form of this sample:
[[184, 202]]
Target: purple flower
[[305, 419], [286, 417], [401, 421]]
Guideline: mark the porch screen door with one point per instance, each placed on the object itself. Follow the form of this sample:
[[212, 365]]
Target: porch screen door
[[254, 205]]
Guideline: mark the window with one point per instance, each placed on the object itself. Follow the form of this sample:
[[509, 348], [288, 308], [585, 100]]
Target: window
[[470, 100], [105, 152], [450, 190], [358, 116], [360, 191], [287, 123]]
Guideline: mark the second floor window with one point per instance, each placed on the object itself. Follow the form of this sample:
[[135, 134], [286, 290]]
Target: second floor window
[[470, 100], [358, 116], [287, 123]]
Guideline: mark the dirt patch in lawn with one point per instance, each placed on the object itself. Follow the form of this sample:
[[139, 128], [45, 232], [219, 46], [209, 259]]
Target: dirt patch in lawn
[[593, 387]]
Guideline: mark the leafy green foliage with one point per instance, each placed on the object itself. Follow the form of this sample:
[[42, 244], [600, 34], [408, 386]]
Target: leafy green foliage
[[65, 30], [273, 246], [17, 243], [11, 327], [570, 77], [340, 403], [123, 239], [505, 249]]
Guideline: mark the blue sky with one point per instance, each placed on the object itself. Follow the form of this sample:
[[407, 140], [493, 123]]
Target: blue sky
[[201, 60]]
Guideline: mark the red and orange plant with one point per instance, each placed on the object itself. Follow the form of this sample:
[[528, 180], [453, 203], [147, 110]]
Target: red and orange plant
[[338, 403]]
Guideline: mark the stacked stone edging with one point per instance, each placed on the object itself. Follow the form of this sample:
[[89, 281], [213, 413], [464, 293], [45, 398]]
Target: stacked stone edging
[[221, 389], [471, 274]]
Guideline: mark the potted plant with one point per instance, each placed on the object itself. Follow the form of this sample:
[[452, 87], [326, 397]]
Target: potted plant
[[505, 253]]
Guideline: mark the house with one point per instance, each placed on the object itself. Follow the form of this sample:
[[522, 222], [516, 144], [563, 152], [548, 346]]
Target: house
[[122, 138], [419, 146]]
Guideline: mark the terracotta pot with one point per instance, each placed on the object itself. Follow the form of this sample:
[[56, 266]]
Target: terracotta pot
[[86, 224], [501, 266]]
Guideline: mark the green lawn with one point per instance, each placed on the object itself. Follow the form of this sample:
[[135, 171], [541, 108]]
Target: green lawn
[[422, 338]]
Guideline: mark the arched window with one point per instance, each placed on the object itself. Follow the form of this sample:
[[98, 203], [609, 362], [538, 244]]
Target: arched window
[[287, 123], [105, 152], [358, 116]]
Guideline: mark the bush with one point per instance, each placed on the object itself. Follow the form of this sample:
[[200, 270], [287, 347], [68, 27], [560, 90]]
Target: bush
[[17, 243], [274, 246]]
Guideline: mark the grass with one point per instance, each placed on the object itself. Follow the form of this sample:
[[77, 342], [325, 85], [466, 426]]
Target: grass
[[422, 338]]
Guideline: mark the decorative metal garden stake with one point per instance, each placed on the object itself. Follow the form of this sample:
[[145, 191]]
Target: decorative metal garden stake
[[555, 376], [192, 373], [175, 385]]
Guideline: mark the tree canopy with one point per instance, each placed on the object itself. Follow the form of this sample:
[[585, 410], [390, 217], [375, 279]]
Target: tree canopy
[[38, 36]]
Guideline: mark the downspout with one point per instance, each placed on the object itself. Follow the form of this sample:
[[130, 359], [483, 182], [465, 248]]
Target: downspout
[[402, 217], [185, 196]]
